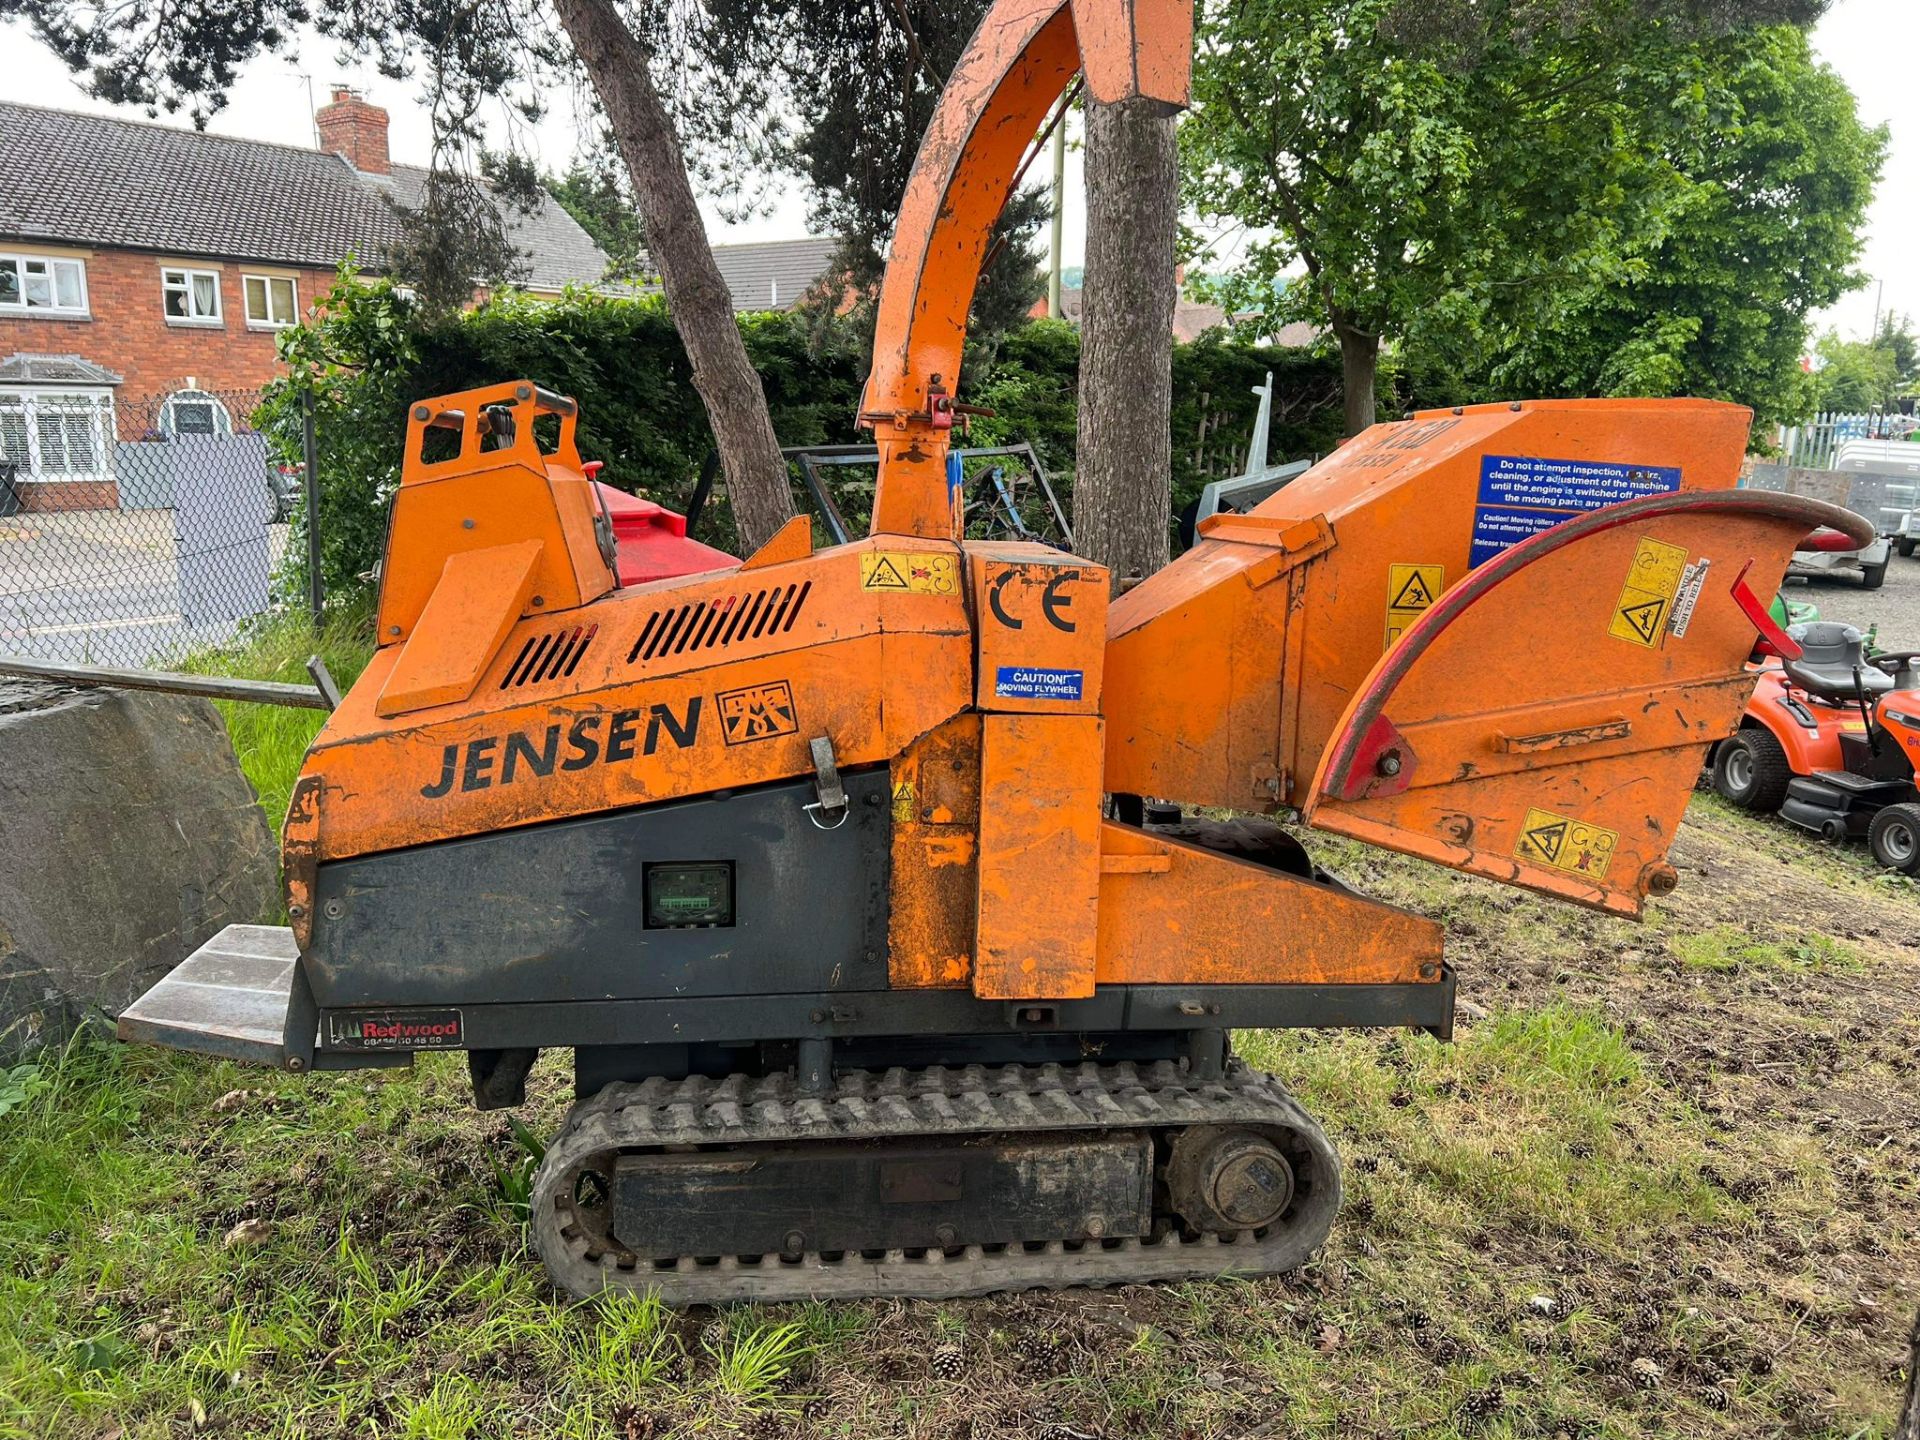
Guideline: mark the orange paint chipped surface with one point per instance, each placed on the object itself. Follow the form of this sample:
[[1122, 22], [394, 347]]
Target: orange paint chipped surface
[[654, 693], [480, 595], [1244, 924], [1039, 857], [935, 789]]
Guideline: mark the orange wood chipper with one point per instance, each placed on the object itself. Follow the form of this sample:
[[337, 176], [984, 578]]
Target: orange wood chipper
[[856, 879]]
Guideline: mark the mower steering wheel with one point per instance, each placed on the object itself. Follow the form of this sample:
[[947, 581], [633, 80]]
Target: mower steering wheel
[[1892, 662]]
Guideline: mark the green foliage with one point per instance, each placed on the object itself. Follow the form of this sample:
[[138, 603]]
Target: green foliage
[[1866, 374], [751, 1361], [371, 353], [620, 1345], [19, 1085], [1857, 375], [861, 81], [514, 1179], [1616, 201], [1216, 376], [1726, 948], [1768, 173], [451, 1410], [596, 196], [355, 363], [271, 740], [1897, 336]]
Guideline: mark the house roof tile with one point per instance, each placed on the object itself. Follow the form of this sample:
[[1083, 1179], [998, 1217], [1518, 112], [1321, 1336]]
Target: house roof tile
[[557, 251], [764, 274], [142, 186], [772, 274]]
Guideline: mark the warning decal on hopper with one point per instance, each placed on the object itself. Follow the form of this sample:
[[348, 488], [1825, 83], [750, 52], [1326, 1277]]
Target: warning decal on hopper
[[1581, 849], [1640, 615], [1521, 495], [1411, 589], [914, 574]]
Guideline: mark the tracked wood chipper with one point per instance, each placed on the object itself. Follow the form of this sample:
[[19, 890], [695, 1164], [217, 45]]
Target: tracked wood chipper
[[856, 880]]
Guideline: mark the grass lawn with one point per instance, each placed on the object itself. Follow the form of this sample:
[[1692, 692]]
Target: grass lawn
[[1666, 1183]]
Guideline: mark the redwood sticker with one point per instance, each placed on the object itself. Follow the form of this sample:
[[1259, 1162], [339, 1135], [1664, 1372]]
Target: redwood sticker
[[394, 1030]]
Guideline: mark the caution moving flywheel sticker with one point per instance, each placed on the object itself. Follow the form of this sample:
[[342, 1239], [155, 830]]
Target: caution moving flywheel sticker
[[1411, 590], [1646, 601], [1566, 844]]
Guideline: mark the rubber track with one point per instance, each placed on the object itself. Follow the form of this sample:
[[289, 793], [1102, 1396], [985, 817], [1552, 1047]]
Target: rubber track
[[939, 1101]]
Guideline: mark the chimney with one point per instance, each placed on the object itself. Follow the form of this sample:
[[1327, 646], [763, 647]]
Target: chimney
[[352, 128]]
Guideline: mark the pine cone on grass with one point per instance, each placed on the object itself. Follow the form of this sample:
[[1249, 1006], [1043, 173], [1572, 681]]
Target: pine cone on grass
[[1479, 1409]]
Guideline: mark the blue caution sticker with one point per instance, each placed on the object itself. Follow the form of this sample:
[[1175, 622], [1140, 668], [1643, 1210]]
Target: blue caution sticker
[[1521, 495], [1024, 682]]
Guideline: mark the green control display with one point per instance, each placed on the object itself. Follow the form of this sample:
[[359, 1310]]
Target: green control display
[[689, 894]]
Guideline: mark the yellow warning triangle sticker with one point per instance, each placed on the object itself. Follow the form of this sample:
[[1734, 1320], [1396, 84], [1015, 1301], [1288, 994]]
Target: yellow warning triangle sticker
[[1413, 595], [886, 576], [1645, 618], [1547, 839]]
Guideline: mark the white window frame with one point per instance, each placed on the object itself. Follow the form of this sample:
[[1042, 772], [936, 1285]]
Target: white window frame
[[188, 274], [19, 260], [267, 282], [222, 417], [26, 400]]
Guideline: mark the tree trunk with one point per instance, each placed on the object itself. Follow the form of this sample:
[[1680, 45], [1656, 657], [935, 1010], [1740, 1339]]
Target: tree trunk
[[677, 247], [1907, 1427], [1123, 488], [1359, 360]]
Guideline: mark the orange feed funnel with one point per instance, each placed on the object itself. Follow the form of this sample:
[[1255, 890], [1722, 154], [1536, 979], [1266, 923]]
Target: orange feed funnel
[[1471, 630], [1543, 723]]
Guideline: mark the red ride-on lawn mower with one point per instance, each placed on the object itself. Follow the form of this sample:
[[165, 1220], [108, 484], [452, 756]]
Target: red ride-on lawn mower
[[1830, 739]]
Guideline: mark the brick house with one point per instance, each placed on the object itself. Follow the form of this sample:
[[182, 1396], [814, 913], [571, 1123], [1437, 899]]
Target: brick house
[[144, 272]]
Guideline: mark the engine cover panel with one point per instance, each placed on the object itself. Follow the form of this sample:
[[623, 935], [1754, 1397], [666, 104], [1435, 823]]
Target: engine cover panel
[[591, 909]]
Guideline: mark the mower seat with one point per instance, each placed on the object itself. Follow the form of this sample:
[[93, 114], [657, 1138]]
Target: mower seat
[[1831, 655]]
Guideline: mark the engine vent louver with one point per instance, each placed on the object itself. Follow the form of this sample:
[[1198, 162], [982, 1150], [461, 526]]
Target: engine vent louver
[[549, 657], [716, 624]]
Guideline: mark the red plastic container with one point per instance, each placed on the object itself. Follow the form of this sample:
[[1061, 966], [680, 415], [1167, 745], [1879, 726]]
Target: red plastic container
[[651, 541]]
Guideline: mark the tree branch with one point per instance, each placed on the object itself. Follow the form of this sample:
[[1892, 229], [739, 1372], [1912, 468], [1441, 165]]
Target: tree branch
[[914, 52]]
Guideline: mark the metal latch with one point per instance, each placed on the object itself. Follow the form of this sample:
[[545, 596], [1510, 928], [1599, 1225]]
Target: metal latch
[[829, 809]]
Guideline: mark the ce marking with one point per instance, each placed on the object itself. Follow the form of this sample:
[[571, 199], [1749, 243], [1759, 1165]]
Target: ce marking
[[1054, 601]]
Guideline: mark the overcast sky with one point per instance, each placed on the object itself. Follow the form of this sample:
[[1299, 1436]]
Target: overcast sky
[[1874, 44]]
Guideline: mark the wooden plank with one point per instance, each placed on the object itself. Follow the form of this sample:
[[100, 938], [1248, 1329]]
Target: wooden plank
[[214, 687]]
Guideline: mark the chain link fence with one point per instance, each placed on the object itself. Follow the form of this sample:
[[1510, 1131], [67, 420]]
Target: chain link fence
[[134, 532]]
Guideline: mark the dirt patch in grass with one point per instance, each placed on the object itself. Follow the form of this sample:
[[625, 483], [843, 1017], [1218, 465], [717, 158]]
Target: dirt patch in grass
[[1665, 1187]]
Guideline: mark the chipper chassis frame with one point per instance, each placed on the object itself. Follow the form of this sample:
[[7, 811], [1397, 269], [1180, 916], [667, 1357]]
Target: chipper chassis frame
[[840, 871]]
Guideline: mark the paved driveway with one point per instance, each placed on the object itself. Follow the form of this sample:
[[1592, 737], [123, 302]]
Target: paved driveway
[[103, 586]]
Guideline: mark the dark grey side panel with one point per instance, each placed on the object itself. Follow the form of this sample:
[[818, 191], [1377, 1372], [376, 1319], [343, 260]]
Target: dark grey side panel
[[555, 913]]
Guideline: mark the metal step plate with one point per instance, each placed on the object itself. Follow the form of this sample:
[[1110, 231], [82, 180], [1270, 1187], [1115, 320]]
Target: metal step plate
[[229, 998], [1862, 784]]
